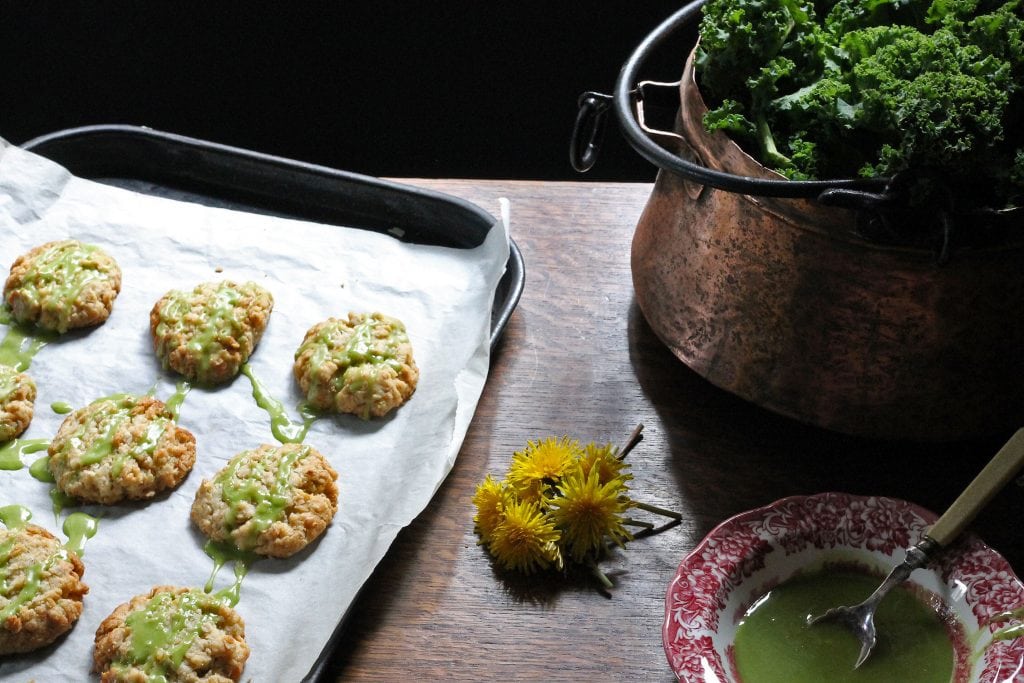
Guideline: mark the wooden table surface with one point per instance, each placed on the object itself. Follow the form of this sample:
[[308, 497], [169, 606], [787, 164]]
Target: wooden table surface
[[578, 358]]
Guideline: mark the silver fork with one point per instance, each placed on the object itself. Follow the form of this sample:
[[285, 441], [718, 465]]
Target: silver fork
[[994, 476]]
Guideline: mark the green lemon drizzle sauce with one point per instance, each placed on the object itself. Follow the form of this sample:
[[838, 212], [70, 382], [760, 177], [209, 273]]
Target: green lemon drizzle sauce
[[40, 470], [61, 408], [268, 502], [220, 316], [15, 516], [64, 269], [774, 643], [19, 347], [221, 554], [7, 383], [79, 527], [60, 500], [281, 426], [175, 400], [12, 451], [163, 630]]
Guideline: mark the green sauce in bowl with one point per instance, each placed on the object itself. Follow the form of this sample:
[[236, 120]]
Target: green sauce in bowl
[[774, 643]]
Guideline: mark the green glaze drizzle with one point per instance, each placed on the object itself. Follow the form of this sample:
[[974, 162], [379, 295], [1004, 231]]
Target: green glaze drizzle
[[175, 400], [29, 589], [79, 527], [268, 503], [221, 554], [163, 630], [12, 451], [281, 426], [15, 516], [40, 470], [5, 315], [61, 408], [18, 348], [774, 643], [59, 275], [60, 500], [7, 383]]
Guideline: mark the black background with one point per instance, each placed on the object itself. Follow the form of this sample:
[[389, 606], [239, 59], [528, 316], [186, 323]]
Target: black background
[[416, 89]]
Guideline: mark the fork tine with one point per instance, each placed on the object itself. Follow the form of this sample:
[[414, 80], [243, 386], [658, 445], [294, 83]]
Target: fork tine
[[865, 650]]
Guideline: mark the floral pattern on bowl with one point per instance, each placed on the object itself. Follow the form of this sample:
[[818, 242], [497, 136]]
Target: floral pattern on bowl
[[745, 556]]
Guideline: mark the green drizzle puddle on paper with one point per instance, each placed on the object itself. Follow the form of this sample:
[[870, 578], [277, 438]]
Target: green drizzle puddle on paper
[[79, 527], [222, 553], [175, 400], [281, 426], [12, 452], [18, 347]]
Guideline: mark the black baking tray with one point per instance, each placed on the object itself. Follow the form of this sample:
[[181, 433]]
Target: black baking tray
[[178, 167], [168, 165]]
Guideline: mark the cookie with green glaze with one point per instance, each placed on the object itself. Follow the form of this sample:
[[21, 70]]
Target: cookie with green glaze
[[206, 334], [63, 285], [17, 402], [272, 500], [42, 591], [361, 365], [171, 634], [121, 447]]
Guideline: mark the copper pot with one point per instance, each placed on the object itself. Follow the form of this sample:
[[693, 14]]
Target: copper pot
[[779, 301]]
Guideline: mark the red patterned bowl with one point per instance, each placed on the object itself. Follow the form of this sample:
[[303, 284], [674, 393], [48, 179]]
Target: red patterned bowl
[[747, 555]]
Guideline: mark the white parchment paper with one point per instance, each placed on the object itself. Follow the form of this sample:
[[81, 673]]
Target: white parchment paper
[[388, 469]]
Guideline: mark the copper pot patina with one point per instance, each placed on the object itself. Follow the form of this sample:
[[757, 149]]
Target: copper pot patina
[[781, 302]]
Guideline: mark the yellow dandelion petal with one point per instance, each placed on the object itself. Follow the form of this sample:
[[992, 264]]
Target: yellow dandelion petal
[[540, 465], [526, 539], [606, 460], [588, 512], [490, 500]]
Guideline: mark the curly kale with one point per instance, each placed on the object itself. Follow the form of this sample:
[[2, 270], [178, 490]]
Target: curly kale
[[840, 88]]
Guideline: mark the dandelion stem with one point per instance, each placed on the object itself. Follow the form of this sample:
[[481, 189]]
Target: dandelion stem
[[634, 438], [600, 576], [657, 510], [637, 522]]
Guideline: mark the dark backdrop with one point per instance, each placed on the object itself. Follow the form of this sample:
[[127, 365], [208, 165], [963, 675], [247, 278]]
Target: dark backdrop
[[433, 89]]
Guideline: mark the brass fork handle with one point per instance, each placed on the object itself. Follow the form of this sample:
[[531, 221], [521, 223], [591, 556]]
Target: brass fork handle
[[999, 471]]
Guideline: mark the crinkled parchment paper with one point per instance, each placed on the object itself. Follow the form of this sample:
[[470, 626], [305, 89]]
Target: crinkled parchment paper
[[388, 468]]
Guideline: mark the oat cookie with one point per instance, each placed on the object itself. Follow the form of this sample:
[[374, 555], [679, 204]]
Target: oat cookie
[[17, 401], [362, 365], [35, 613], [121, 447], [63, 285], [207, 334], [273, 500], [174, 635]]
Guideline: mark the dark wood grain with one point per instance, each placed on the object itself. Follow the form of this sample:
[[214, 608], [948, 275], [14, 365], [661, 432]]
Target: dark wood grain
[[578, 358]]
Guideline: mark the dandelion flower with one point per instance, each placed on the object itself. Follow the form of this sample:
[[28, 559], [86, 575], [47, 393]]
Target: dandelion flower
[[526, 539], [540, 465], [606, 460], [588, 511], [490, 500]]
